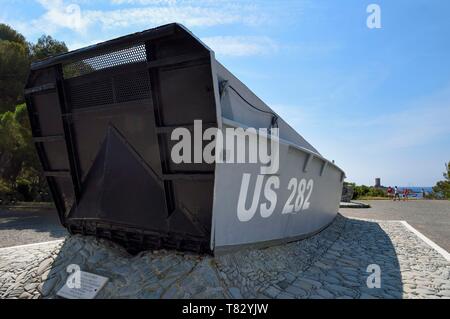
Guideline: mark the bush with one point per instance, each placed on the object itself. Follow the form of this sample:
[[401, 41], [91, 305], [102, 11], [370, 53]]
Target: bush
[[442, 188], [376, 192], [368, 191], [14, 63], [20, 170], [360, 191]]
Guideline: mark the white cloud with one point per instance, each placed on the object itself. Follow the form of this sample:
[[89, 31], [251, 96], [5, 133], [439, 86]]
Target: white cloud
[[239, 46], [63, 15], [74, 45], [60, 15], [189, 16], [79, 23], [144, 2]]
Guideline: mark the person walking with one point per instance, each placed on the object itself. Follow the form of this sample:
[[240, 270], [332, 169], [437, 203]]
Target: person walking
[[396, 194], [405, 194], [389, 192]]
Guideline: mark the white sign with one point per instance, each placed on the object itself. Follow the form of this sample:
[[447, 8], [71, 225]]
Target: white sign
[[89, 286]]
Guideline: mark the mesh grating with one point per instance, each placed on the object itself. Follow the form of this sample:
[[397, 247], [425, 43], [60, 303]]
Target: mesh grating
[[131, 87], [91, 94], [117, 89], [108, 60]]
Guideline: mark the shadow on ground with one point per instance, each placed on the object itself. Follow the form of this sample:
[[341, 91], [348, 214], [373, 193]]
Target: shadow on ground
[[331, 264], [19, 227]]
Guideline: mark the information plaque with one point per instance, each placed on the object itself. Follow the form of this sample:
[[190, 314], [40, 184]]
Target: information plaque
[[82, 285]]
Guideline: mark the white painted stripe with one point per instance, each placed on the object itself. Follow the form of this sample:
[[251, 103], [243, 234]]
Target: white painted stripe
[[32, 245], [374, 220], [428, 241]]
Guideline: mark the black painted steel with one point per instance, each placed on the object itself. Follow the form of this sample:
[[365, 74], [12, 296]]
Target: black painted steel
[[101, 119]]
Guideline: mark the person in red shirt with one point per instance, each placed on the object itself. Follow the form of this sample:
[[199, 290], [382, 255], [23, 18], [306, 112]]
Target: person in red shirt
[[405, 194], [390, 190]]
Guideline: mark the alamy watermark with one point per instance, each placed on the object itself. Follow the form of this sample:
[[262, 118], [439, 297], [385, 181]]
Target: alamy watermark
[[74, 279], [374, 19], [232, 145], [374, 279]]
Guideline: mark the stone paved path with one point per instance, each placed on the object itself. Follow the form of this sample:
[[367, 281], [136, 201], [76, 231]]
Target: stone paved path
[[331, 264], [20, 226], [430, 217]]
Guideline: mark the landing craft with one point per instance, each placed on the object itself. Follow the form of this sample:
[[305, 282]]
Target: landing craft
[[102, 118]]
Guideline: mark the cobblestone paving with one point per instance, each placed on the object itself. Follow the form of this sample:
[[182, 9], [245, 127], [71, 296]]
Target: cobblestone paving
[[430, 217], [331, 264]]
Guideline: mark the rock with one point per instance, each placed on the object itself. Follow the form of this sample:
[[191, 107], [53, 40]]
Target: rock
[[324, 293], [83, 252], [290, 278], [284, 295], [45, 275], [174, 292], [46, 287], [340, 290], [444, 293], [307, 283], [31, 287], [211, 293], [235, 293], [424, 291], [151, 292], [272, 292], [25, 295], [331, 279], [296, 291], [15, 293], [282, 284], [96, 257], [20, 278], [44, 266]]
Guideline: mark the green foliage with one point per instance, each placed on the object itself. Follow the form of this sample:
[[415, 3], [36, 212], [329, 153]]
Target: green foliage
[[5, 187], [14, 64], [442, 188], [367, 191], [20, 173], [15, 57], [359, 191], [45, 47], [9, 34]]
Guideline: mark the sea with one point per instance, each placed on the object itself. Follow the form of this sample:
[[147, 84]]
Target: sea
[[416, 190]]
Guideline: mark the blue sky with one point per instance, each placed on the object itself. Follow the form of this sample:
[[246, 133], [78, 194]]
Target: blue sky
[[377, 101]]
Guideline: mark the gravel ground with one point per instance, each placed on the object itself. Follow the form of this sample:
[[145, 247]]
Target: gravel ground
[[331, 264], [27, 226], [430, 217]]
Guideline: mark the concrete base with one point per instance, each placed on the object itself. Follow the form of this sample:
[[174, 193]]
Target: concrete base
[[353, 205]]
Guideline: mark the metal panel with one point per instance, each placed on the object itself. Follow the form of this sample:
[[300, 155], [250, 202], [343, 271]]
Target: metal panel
[[230, 231], [103, 130]]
